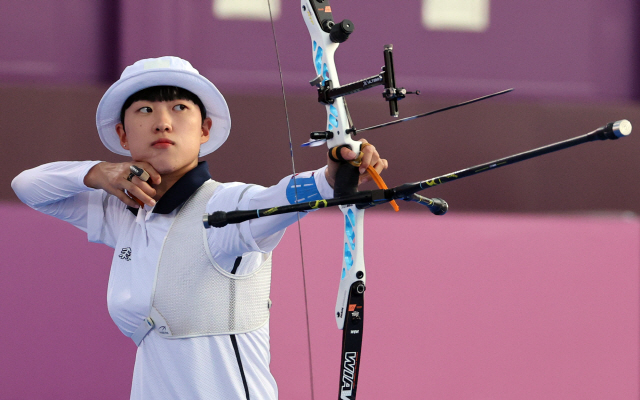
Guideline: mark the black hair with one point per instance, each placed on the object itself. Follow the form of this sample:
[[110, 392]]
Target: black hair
[[162, 93]]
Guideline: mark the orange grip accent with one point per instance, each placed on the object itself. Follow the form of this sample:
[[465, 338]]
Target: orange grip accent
[[378, 180]]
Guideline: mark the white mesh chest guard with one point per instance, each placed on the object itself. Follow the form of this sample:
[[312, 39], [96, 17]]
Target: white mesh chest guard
[[192, 295]]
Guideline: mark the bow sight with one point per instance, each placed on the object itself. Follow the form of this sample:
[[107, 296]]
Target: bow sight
[[327, 93]]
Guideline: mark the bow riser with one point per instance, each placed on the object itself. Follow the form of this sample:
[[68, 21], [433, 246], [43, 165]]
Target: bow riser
[[338, 121], [353, 261]]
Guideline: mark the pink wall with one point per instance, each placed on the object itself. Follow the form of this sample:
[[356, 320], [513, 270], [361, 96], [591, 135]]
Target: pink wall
[[458, 307]]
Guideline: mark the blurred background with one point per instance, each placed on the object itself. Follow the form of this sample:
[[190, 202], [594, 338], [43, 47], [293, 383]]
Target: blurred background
[[574, 65]]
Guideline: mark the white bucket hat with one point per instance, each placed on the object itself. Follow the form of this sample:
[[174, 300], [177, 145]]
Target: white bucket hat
[[163, 71]]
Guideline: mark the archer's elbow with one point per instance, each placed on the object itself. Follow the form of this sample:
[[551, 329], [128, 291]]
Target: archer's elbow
[[21, 184]]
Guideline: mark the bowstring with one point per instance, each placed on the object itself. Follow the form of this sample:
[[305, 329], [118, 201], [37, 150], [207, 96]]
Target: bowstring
[[295, 187]]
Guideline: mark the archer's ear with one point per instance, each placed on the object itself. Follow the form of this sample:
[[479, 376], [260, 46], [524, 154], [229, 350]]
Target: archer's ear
[[206, 130], [123, 136]]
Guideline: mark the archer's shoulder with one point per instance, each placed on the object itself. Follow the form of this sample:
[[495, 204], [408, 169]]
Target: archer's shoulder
[[234, 186], [233, 192]]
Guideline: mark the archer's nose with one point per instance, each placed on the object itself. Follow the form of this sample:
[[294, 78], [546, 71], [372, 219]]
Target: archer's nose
[[163, 123], [163, 127]]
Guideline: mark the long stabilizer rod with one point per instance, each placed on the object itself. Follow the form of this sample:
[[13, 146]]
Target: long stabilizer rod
[[611, 131]]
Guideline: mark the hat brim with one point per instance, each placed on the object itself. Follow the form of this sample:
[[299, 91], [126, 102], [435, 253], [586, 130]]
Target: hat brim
[[108, 113]]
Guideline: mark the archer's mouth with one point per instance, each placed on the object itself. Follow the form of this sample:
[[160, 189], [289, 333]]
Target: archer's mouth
[[162, 143]]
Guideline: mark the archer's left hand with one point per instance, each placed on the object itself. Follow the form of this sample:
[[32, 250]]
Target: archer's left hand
[[370, 157]]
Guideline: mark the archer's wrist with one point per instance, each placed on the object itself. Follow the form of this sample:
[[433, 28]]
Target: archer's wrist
[[92, 176], [330, 180]]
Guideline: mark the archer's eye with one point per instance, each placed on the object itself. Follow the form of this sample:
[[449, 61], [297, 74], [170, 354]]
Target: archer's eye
[[179, 107], [145, 110]]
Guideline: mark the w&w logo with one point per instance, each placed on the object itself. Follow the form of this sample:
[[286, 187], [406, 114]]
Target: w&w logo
[[125, 254]]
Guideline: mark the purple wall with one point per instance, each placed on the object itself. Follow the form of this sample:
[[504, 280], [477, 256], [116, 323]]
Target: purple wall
[[564, 49], [68, 41], [460, 306]]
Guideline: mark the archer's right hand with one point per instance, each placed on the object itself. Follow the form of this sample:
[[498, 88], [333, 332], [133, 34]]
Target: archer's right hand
[[112, 178]]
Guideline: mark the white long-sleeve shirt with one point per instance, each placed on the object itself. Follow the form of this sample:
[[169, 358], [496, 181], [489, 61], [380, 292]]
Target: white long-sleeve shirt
[[211, 367]]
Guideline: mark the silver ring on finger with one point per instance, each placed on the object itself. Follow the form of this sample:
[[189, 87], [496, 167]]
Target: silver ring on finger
[[139, 172]]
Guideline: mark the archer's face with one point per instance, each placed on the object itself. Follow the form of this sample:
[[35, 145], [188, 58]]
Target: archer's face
[[166, 134]]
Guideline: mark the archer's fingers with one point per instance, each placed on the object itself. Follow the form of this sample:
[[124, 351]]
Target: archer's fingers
[[126, 199], [348, 154], [370, 156], [134, 189], [144, 186], [380, 166]]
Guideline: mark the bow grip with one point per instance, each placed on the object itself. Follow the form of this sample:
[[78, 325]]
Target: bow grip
[[347, 176], [346, 180]]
